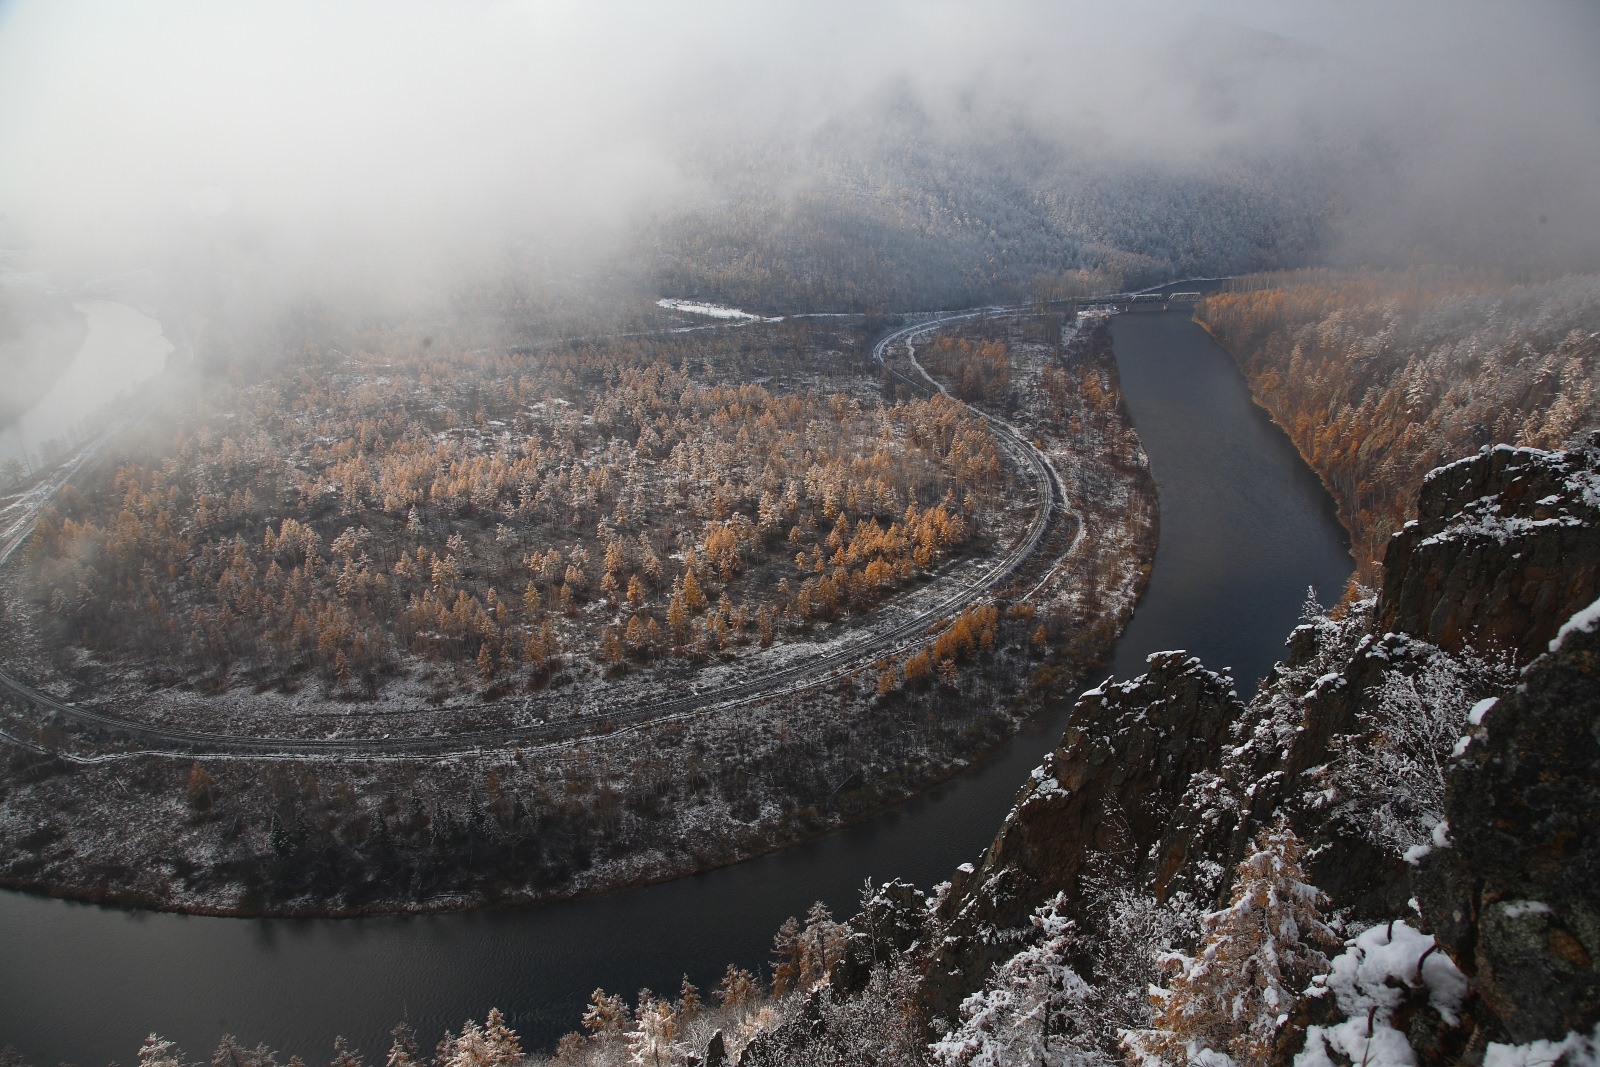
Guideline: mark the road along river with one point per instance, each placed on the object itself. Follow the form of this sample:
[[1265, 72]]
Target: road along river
[[1245, 527]]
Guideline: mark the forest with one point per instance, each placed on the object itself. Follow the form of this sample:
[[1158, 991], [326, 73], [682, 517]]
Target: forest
[[1379, 377], [886, 206], [669, 507], [396, 505]]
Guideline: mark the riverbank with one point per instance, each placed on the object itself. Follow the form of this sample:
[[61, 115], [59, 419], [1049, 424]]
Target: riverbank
[[330, 837], [1230, 502]]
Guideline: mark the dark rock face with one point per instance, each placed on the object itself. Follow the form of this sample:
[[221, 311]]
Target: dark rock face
[[1515, 900], [1168, 777], [1113, 786], [1505, 547]]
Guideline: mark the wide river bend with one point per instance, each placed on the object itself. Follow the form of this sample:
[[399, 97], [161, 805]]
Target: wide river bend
[[1245, 527]]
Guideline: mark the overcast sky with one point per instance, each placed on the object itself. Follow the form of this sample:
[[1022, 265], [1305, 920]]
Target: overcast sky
[[382, 132]]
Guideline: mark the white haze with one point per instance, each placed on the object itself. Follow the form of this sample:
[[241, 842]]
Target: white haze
[[293, 146]]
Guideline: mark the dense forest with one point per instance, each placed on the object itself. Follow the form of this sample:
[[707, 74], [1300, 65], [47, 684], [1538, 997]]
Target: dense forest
[[364, 545], [1380, 377], [335, 520]]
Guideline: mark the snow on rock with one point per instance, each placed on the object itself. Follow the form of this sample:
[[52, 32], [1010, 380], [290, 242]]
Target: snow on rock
[[1584, 621], [1579, 1050], [1370, 981]]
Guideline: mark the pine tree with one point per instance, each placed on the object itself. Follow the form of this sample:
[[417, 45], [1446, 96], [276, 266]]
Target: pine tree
[[493, 1044], [342, 1056], [651, 1039], [821, 945], [605, 1013], [786, 957], [1254, 957], [693, 597], [159, 1052], [689, 1002], [737, 988], [403, 1051], [1034, 1010]]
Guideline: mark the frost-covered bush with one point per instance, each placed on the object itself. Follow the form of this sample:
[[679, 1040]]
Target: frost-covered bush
[[1391, 777], [1136, 933]]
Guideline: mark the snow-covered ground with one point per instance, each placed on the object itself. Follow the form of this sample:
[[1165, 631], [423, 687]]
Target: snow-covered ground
[[714, 311]]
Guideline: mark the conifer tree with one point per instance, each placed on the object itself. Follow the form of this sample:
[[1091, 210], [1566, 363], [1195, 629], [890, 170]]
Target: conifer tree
[[650, 1041], [1254, 957], [737, 988], [689, 1002], [157, 1051], [342, 1056], [606, 1013], [1035, 1010], [786, 957], [403, 1051]]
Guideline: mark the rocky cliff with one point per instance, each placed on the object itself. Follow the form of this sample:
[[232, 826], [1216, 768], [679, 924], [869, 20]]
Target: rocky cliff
[[1515, 896], [1166, 778], [1502, 551]]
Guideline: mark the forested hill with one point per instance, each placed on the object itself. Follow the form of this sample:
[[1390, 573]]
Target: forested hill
[[888, 208], [1380, 377]]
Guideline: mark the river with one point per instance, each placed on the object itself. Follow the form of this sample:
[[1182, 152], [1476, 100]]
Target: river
[[123, 348], [1245, 527]]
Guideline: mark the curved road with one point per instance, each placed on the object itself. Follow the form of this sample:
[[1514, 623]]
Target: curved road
[[873, 645]]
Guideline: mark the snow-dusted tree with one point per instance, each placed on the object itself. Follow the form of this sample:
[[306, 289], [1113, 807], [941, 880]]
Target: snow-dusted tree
[[342, 1056], [605, 1013], [1392, 775], [820, 945], [1256, 955], [157, 1051], [786, 957], [230, 1053], [650, 1043], [403, 1050], [1034, 1010], [689, 1001], [737, 988], [492, 1045], [1136, 934]]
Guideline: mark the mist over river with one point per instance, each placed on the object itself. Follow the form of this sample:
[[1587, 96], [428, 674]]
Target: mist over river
[[124, 348], [1245, 527]]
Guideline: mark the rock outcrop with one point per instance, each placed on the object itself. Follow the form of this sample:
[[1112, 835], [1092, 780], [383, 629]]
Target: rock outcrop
[[1112, 787], [1505, 547], [1515, 898], [1167, 777]]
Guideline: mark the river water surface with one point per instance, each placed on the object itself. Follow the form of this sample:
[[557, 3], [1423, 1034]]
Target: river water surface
[[1245, 527]]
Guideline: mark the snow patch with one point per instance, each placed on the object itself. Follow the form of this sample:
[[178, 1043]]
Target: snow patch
[[1516, 909], [714, 311], [1580, 1050], [1369, 981], [1584, 621], [1480, 709]]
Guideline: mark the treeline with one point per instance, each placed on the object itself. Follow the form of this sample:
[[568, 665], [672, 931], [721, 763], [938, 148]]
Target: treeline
[[1380, 377], [848, 992]]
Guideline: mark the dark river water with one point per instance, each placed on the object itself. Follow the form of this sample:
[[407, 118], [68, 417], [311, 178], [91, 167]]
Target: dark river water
[[1245, 527]]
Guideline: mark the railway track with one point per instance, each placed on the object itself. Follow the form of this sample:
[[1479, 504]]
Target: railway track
[[830, 666]]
